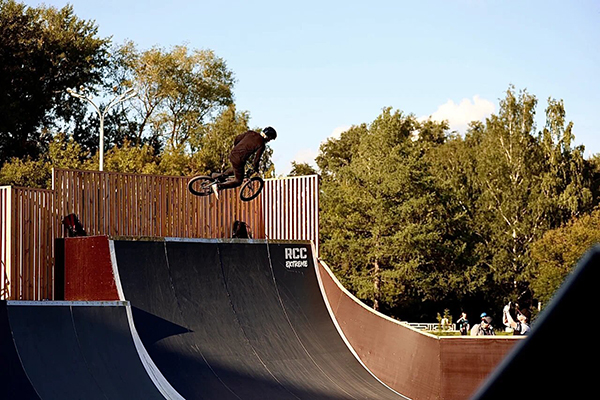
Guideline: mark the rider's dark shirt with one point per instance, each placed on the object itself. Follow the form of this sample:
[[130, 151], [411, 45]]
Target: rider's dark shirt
[[247, 144]]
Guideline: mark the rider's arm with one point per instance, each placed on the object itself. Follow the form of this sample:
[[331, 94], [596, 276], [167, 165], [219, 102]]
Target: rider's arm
[[508, 320], [257, 157]]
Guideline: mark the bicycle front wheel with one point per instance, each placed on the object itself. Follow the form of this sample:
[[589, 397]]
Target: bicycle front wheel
[[200, 185], [251, 188]]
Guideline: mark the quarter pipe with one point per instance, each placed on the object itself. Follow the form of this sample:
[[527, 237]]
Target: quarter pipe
[[239, 320]]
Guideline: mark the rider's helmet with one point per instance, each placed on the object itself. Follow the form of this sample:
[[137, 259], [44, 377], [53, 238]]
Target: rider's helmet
[[270, 133]]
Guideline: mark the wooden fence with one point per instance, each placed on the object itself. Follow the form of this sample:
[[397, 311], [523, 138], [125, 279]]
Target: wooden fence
[[291, 207], [115, 204], [27, 243]]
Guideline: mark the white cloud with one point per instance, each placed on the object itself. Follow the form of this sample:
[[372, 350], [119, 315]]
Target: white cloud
[[337, 132], [459, 115], [306, 156]]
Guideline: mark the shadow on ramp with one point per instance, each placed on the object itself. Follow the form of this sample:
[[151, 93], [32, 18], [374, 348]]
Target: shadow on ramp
[[161, 328], [67, 350]]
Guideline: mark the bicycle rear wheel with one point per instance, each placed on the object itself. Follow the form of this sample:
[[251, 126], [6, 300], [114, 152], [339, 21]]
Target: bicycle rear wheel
[[251, 188], [200, 185]]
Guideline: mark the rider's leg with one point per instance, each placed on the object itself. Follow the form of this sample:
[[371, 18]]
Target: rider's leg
[[221, 176], [238, 173]]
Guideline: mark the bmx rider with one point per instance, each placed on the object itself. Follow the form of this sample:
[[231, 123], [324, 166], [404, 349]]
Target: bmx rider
[[244, 146]]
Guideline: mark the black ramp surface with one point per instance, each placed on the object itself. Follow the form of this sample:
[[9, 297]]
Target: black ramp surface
[[79, 352], [47, 345], [110, 354], [276, 286], [251, 331], [13, 379], [201, 351], [304, 306], [566, 362]]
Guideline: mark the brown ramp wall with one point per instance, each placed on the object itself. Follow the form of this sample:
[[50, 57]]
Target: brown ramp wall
[[418, 365]]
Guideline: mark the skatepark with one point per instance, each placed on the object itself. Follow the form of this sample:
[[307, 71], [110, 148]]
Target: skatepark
[[149, 316]]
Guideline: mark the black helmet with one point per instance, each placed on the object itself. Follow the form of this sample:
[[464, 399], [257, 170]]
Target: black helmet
[[270, 133]]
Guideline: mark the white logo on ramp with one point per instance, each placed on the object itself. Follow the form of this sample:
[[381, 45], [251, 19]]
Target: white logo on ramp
[[296, 257]]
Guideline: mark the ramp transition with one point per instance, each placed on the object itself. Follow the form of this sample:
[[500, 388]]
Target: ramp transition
[[239, 320], [70, 350]]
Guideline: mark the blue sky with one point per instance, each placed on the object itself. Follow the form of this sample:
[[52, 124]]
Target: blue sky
[[311, 69]]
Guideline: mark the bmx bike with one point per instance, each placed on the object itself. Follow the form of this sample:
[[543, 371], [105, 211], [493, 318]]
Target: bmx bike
[[249, 190]]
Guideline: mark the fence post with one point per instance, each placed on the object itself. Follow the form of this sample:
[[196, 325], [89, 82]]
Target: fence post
[[5, 240]]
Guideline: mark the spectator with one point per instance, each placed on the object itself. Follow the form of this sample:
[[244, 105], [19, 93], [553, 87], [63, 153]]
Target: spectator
[[463, 324], [484, 328], [519, 327], [445, 323]]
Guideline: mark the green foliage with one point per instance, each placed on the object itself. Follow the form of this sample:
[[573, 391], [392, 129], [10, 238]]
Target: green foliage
[[178, 90], [513, 185], [412, 214], [385, 223], [43, 52], [63, 152], [130, 158], [24, 173], [558, 251], [302, 169]]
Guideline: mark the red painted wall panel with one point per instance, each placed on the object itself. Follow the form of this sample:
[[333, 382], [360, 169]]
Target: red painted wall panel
[[88, 269]]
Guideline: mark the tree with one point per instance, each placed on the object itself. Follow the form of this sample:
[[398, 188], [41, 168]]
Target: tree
[[130, 158], [385, 223], [513, 185], [179, 90], [302, 169], [567, 178], [558, 251], [508, 162], [43, 52], [63, 152]]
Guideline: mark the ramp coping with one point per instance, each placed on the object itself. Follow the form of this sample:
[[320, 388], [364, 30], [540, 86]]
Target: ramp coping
[[235, 240], [72, 303], [363, 305], [403, 324]]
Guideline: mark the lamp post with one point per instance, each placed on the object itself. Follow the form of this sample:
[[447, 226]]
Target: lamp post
[[101, 114]]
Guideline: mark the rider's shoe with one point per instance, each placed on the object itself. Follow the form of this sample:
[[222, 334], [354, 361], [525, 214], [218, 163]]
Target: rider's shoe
[[215, 190]]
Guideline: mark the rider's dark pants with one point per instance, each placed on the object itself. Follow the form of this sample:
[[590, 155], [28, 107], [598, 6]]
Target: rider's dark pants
[[236, 169]]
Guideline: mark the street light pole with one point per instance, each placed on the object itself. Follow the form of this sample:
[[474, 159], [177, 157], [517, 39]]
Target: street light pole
[[101, 114]]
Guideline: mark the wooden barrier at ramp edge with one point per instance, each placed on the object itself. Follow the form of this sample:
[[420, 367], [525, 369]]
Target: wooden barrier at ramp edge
[[417, 365]]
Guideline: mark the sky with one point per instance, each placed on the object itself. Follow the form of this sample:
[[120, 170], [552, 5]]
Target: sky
[[312, 69]]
